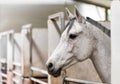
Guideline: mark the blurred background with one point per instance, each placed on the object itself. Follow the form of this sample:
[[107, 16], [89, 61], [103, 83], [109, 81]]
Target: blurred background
[[15, 13]]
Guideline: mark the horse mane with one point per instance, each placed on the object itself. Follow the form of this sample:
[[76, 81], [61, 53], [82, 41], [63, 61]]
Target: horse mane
[[98, 25]]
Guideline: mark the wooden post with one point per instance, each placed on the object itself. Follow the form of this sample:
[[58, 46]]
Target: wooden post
[[26, 52]]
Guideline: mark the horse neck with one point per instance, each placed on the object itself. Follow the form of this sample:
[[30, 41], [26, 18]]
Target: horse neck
[[101, 54]]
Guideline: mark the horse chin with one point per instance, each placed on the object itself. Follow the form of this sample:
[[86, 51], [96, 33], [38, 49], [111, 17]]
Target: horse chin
[[56, 73]]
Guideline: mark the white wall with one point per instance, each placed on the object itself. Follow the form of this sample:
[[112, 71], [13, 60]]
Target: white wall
[[96, 13], [115, 35]]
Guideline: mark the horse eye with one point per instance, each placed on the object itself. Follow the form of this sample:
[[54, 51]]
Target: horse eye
[[72, 36]]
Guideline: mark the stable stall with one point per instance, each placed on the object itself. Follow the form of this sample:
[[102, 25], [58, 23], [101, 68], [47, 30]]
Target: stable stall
[[30, 55]]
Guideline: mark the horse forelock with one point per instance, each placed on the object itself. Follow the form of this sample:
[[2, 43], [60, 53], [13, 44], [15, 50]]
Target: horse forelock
[[70, 24]]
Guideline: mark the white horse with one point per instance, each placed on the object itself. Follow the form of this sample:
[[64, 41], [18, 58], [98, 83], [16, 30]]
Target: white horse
[[78, 42]]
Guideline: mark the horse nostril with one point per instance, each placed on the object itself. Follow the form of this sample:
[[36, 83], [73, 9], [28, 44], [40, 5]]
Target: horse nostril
[[50, 65]]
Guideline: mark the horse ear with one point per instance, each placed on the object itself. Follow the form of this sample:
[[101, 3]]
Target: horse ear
[[69, 14], [79, 17]]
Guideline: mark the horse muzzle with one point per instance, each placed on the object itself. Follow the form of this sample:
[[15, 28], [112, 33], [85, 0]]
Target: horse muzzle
[[52, 71]]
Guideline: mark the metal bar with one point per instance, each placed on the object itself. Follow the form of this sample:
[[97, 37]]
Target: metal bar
[[4, 75], [17, 64], [4, 81], [38, 81], [80, 81], [14, 72], [15, 80], [39, 70], [3, 61]]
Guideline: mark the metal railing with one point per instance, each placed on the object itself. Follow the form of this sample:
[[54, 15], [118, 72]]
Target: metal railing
[[36, 79], [5, 39], [68, 80]]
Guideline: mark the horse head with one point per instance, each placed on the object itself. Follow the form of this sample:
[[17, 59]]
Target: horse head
[[76, 45]]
